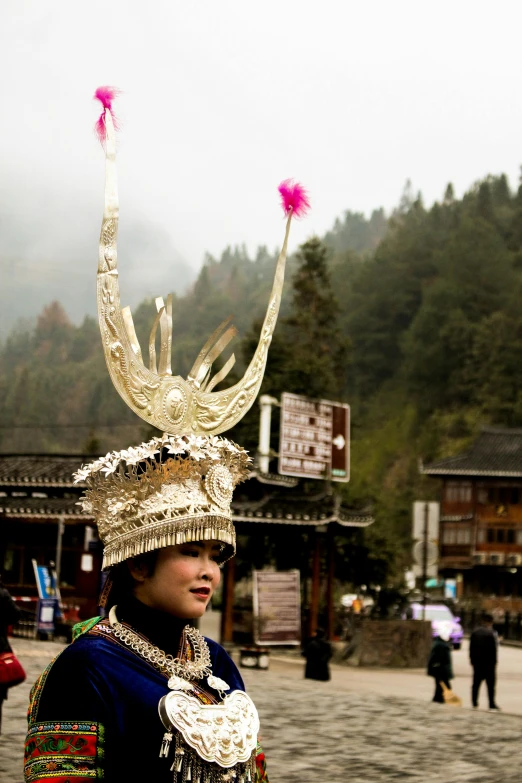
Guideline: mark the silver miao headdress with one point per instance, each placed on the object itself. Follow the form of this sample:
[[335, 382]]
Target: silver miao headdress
[[177, 487]]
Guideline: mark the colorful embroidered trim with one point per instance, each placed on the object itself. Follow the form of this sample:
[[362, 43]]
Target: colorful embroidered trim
[[261, 773], [84, 627], [55, 752]]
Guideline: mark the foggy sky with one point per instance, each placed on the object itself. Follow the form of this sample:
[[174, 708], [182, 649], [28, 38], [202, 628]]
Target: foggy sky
[[222, 100]]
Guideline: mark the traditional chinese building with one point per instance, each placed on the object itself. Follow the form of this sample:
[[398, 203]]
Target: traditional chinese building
[[274, 509], [481, 517], [40, 519]]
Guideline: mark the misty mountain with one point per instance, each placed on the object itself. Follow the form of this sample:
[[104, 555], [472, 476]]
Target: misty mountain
[[58, 261]]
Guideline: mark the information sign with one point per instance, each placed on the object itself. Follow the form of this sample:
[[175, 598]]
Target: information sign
[[314, 438], [47, 613], [45, 581], [49, 599], [277, 607]]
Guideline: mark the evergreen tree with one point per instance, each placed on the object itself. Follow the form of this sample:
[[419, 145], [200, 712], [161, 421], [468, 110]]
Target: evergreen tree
[[485, 201], [356, 233], [308, 354], [449, 194], [316, 364]]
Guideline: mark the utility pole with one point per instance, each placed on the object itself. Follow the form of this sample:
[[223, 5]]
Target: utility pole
[[61, 527], [425, 558], [263, 451]]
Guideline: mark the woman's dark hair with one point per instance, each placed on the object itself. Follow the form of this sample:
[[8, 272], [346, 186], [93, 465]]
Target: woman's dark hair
[[122, 581]]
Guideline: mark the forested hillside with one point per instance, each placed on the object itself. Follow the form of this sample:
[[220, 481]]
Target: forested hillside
[[414, 320], [57, 395]]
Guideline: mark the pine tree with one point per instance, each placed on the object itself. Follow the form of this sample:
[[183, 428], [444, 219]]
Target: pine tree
[[318, 354], [485, 201], [308, 354], [449, 194]]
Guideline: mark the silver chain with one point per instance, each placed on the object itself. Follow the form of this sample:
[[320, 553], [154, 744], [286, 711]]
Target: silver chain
[[200, 667]]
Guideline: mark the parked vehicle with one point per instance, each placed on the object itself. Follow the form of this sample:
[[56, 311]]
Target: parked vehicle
[[439, 614]]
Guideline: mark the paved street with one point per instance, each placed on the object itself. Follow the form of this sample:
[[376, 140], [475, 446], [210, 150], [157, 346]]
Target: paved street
[[365, 726]]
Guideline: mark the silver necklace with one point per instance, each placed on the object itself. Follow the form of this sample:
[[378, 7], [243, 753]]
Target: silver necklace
[[176, 668]]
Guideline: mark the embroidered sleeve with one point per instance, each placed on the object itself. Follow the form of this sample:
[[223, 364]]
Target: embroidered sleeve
[[67, 751], [261, 774], [58, 750]]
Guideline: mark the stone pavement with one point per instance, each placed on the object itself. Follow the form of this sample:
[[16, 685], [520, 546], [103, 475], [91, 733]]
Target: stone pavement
[[316, 731], [332, 732], [34, 657]]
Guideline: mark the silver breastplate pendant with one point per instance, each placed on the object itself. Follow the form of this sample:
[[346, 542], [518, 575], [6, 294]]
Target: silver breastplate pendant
[[214, 743]]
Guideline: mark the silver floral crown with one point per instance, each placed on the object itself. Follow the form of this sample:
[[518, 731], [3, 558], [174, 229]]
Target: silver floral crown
[[165, 492]]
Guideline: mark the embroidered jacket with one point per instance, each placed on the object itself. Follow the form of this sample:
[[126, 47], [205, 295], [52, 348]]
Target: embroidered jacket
[[93, 712]]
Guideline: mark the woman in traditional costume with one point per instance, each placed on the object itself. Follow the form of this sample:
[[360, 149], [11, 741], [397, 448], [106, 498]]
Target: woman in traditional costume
[[141, 695]]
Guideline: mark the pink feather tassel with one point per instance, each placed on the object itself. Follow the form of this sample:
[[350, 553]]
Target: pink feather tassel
[[294, 198], [105, 95]]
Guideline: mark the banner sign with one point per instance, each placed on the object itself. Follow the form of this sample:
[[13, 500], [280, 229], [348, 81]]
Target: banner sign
[[314, 440], [49, 598], [45, 581], [277, 607]]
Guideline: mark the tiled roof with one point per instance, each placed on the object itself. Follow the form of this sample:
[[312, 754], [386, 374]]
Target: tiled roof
[[39, 470], [496, 452], [280, 506], [42, 508], [304, 520], [54, 508], [283, 507], [352, 519]]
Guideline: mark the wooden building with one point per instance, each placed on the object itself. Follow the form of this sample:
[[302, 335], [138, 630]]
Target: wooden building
[[481, 517], [39, 504], [300, 527]]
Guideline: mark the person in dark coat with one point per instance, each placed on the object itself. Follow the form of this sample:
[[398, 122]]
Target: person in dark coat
[[439, 663], [9, 614], [317, 652], [483, 645]]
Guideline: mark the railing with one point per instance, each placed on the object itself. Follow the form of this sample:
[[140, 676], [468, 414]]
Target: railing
[[25, 628], [508, 627]]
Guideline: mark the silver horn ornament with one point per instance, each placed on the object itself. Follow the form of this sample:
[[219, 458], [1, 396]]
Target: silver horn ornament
[[171, 403]]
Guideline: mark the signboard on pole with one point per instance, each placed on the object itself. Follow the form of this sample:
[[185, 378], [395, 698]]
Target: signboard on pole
[[426, 523], [277, 607], [46, 614], [314, 438]]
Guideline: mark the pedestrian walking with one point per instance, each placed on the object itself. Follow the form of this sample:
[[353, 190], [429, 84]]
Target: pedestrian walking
[[317, 652], [439, 662], [9, 614], [483, 647]]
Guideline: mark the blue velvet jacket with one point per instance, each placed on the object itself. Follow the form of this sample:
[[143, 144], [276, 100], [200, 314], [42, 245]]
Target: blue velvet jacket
[[94, 713]]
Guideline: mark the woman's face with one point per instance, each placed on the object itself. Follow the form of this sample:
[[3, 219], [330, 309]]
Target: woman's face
[[183, 581]]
